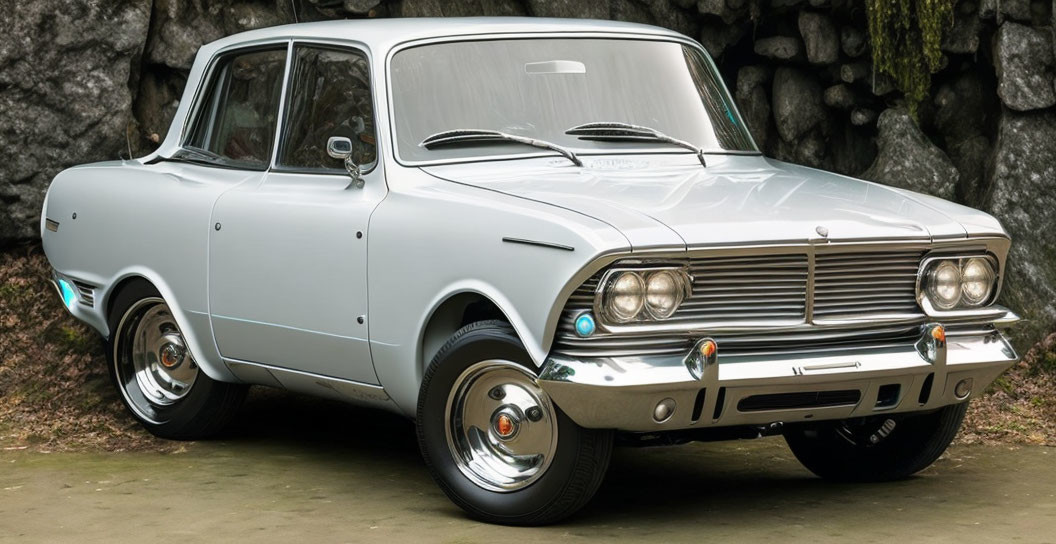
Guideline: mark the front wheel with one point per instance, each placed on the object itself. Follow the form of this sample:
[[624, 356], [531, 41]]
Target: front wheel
[[493, 440], [153, 370], [878, 448]]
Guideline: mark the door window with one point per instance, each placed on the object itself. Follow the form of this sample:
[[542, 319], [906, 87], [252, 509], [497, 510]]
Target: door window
[[329, 96], [236, 121]]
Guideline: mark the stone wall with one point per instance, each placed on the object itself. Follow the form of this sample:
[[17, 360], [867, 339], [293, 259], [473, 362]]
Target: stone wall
[[87, 80]]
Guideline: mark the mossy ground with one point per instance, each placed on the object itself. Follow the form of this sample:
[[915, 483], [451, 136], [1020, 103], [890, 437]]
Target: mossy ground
[[55, 394]]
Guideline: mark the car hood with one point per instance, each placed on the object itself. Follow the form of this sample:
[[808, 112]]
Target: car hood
[[659, 201]]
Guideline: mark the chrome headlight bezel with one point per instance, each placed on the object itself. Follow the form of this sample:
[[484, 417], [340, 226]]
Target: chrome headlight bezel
[[989, 277], [647, 312], [925, 274]]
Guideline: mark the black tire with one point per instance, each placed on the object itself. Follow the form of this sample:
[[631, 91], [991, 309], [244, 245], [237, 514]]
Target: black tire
[[580, 459], [206, 407], [841, 451]]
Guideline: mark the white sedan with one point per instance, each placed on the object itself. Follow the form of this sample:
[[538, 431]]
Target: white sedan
[[533, 237]]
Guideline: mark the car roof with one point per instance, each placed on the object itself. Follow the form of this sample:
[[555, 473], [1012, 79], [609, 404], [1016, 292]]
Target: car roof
[[382, 34]]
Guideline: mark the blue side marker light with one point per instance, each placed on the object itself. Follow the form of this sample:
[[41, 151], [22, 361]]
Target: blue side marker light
[[585, 325], [68, 294]]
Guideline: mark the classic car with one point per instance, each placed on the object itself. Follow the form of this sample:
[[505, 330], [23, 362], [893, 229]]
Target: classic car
[[537, 238]]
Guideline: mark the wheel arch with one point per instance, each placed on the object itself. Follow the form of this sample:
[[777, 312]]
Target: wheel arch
[[451, 313], [195, 326]]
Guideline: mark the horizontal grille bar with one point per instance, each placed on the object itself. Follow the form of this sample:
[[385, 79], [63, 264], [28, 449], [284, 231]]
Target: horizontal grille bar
[[752, 344], [761, 287], [857, 284]]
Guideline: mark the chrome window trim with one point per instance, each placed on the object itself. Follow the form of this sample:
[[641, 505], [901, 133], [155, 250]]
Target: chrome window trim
[[207, 76], [624, 35], [359, 47], [280, 118]]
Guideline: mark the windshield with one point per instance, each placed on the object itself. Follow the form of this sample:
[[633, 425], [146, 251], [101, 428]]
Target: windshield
[[540, 88]]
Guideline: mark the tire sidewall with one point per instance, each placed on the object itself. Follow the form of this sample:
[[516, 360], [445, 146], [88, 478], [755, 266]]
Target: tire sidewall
[[915, 444], [169, 419], [494, 342]]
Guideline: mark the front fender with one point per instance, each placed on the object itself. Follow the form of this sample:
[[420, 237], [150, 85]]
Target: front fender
[[432, 241]]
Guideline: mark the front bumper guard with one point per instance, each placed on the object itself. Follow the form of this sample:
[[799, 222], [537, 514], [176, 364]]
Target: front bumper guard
[[699, 391]]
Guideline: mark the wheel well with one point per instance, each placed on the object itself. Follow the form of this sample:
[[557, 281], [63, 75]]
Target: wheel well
[[121, 286], [456, 312]]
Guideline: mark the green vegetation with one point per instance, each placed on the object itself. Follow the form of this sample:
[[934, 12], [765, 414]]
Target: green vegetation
[[75, 339], [906, 36], [1047, 362]]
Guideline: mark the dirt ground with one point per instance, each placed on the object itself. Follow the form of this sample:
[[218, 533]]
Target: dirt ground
[[364, 482]]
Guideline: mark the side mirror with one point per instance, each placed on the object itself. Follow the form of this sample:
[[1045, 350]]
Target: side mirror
[[340, 147]]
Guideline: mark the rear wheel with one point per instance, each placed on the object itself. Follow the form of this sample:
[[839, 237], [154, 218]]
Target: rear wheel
[[878, 448], [157, 377], [493, 440]]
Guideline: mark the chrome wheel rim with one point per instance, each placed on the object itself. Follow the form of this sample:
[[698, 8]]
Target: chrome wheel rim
[[501, 426], [154, 367]]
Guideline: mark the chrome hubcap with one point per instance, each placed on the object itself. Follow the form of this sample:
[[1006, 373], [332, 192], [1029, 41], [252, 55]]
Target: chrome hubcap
[[153, 365], [501, 427]]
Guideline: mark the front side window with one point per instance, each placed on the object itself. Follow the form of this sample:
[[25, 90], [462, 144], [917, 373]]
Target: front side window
[[542, 87], [329, 97], [235, 125]]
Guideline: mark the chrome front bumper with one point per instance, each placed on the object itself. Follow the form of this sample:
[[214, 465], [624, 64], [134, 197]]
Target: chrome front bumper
[[623, 393]]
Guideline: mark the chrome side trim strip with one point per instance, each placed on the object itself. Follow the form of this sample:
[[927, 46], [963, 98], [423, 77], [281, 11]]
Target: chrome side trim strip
[[538, 243]]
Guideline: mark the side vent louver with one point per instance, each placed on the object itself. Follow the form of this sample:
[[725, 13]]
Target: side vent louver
[[85, 292]]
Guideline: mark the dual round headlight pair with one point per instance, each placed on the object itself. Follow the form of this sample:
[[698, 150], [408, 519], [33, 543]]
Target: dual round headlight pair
[[633, 295], [960, 283]]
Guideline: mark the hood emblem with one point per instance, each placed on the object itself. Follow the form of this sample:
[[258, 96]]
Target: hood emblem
[[822, 231]]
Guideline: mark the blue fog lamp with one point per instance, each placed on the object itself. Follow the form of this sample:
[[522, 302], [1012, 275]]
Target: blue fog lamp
[[585, 325], [68, 295]]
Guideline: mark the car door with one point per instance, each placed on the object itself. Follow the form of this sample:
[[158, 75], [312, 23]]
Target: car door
[[287, 256]]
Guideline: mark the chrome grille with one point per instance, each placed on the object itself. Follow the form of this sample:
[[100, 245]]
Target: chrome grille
[[731, 289], [858, 284], [770, 292]]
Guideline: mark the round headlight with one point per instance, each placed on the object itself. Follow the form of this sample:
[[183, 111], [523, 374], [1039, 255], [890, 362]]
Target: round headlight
[[944, 285], [625, 297], [664, 291], [977, 281]]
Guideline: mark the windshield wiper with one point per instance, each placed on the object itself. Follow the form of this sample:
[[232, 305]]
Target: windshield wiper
[[460, 136], [623, 132]]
